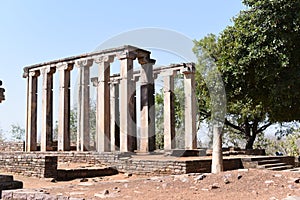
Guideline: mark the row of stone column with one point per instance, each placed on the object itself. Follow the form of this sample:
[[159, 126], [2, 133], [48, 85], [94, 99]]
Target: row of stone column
[[108, 106], [147, 112], [103, 135]]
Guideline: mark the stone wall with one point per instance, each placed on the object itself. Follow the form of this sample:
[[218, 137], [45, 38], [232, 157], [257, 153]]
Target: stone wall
[[173, 166], [11, 146], [137, 166], [44, 164], [29, 164]]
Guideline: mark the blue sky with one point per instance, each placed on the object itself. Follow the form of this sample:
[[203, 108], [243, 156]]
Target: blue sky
[[34, 31]]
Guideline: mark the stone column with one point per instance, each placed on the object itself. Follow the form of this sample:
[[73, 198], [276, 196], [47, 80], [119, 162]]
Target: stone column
[[103, 104], [127, 93], [114, 116], [47, 109], [64, 106], [147, 106], [31, 126], [190, 109], [169, 112], [83, 127], [134, 113]]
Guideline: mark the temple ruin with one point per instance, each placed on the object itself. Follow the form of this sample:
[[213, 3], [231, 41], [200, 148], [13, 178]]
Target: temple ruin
[[116, 110]]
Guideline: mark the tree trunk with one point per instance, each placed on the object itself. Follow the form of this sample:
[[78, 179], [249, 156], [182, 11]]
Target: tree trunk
[[251, 137], [250, 142], [217, 155]]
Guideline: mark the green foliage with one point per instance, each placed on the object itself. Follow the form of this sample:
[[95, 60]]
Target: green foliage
[[17, 132], [288, 145], [231, 138], [259, 60]]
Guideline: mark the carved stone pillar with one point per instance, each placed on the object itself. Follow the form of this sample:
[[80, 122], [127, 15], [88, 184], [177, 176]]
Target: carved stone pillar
[[31, 126], [64, 106], [47, 108], [190, 108], [169, 112], [127, 104], [83, 127], [147, 106], [114, 116], [103, 104]]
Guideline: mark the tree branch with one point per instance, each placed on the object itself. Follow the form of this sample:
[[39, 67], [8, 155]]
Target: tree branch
[[228, 123], [264, 127]]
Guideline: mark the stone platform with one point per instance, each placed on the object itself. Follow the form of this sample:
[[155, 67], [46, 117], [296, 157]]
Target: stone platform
[[47, 164]]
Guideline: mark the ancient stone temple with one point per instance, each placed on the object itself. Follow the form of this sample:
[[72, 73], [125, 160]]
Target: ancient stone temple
[[116, 110], [2, 90]]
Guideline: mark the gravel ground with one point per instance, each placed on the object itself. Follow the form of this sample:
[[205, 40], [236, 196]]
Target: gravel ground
[[234, 185]]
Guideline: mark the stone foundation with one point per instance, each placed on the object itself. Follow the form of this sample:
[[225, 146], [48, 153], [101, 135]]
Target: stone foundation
[[40, 164], [29, 164]]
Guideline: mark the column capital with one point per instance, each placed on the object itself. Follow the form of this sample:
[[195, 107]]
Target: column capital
[[127, 55], [188, 68], [146, 60], [65, 66], [84, 62], [34, 73], [50, 69], [104, 58]]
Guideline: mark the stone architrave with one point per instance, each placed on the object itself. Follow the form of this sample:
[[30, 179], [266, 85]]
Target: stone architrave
[[169, 112], [114, 116], [83, 122], [31, 125], [47, 108], [64, 106], [127, 95], [103, 104], [190, 108], [147, 130]]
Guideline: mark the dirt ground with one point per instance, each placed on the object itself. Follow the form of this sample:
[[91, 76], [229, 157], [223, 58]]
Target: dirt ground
[[235, 185]]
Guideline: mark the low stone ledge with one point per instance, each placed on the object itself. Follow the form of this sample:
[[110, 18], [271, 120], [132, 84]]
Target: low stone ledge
[[70, 174]]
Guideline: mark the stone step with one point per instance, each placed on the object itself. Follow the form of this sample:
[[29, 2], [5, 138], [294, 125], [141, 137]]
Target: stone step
[[6, 178], [261, 158], [297, 170], [281, 168], [264, 162], [265, 166]]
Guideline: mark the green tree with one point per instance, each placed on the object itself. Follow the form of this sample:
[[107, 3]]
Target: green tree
[[17, 132], [259, 58]]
